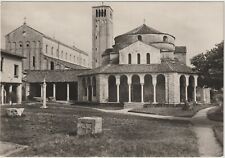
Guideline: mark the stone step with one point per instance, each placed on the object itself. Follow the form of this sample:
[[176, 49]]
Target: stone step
[[133, 105]]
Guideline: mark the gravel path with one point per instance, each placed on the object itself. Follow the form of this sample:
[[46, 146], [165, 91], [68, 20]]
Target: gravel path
[[208, 145]]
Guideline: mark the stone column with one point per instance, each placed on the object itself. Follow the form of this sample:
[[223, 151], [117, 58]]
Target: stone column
[[10, 93], [118, 88], [27, 88], [42, 90], [19, 93], [142, 81], [44, 95], [142, 92], [68, 92], [54, 91], [129, 88], [195, 88], [2, 94], [154, 82]]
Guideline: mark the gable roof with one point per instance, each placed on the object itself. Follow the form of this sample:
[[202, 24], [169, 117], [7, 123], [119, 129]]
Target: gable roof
[[48, 37], [164, 67], [37, 76]]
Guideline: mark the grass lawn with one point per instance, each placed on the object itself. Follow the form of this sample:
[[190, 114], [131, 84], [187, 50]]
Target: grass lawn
[[103, 106], [218, 131], [170, 111], [215, 114], [52, 132]]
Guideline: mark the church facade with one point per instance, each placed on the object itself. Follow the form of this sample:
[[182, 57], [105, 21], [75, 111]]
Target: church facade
[[42, 52]]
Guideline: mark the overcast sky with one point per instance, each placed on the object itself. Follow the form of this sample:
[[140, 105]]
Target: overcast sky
[[198, 25]]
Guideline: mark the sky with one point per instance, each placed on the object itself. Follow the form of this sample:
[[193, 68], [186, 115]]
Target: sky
[[196, 25]]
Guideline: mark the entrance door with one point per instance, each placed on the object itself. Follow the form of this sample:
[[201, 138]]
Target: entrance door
[[89, 93]]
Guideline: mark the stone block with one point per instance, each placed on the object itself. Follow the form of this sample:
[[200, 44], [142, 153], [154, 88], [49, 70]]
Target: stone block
[[13, 112], [89, 125]]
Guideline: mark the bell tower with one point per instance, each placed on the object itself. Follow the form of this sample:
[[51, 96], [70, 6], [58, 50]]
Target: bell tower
[[102, 32]]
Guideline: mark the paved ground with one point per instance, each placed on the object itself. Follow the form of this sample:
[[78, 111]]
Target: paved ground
[[208, 145]]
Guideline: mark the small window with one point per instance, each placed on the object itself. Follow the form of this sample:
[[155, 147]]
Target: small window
[[139, 37], [165, 39], [129, 58], [16, 68], [52, 51], [21, 45], [148, 58], [96, 49], [52, 65], [96, 13], [138, 58], [2, 60], [33, 61], [96, 37], [46, 49], [104, 13], [28, 45]]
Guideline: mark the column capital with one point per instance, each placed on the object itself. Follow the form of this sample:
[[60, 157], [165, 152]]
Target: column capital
[[154, 80]]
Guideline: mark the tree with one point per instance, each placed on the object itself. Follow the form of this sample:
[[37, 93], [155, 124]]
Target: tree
[[210, 66]]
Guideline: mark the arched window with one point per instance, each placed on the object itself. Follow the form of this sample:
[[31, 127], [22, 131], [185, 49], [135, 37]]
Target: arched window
[[96, 13], [165, 39], [104, 13], [21, 44], [27, 44], [129, 58], [138, 58], [139, 37], [148, 58]]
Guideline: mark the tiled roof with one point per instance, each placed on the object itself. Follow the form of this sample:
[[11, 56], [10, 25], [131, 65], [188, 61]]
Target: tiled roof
[[67, 64], [143, 29], [8, 53], [37, 76], [180, 49], [164, 67]]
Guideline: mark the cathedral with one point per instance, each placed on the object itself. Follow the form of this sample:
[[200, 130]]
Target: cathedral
[[144, 65]]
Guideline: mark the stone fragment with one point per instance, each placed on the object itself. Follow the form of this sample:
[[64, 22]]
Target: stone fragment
[[89, 125], [13, 112]]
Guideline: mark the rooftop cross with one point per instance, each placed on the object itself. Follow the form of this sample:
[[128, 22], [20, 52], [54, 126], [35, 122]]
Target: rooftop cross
[[144, 20], [24, 20]]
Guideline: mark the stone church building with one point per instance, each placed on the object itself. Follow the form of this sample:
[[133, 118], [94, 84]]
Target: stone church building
[[143, 65]]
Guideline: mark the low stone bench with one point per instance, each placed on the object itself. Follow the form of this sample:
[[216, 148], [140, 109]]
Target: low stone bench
[[89, 125], [13, 112]]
